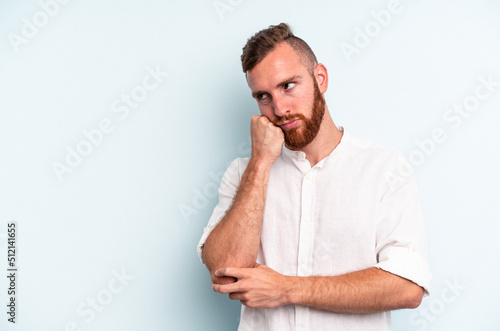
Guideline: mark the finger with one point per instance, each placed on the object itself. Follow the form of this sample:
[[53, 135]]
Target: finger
[[261, 266], [228, 288], [255, 119], [236, 296], [265, 119], [232, 272]]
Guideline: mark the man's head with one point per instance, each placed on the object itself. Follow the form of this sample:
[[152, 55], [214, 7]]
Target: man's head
[[287, 82], [265, 41]]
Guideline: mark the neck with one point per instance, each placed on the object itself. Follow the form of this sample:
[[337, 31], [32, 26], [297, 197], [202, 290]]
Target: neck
[[326, 141]]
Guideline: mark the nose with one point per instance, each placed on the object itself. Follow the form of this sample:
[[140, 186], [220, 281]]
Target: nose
[[280, 107]]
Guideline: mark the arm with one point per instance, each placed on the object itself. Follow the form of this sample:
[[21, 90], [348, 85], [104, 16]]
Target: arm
[[365, 291], [235, 240]]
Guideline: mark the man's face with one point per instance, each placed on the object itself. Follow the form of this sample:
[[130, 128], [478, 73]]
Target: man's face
[[288, 95]]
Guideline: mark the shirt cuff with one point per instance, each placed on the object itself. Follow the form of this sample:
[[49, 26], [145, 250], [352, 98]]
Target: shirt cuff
[[406, 262]]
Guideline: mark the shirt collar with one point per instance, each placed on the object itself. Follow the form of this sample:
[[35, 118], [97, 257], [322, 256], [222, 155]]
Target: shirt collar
[[297, 155], [301, 156]]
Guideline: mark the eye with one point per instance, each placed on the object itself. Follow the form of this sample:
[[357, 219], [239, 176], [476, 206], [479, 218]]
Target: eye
[[262, 97], [288, 86]]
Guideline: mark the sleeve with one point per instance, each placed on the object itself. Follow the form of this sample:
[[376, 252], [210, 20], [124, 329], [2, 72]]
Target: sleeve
[[401, 240], [227, 190]]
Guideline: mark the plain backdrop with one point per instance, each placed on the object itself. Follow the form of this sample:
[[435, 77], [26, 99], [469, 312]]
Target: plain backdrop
[[151, 97]]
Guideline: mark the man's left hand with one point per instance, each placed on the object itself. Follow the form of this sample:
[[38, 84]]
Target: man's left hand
[[258, 287]]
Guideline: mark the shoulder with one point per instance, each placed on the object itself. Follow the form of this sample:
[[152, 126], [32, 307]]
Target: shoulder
[[367, 147], [370, 150], [372, 155]]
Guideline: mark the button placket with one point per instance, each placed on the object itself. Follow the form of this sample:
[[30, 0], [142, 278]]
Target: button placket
[[306, 238], [306, 242]]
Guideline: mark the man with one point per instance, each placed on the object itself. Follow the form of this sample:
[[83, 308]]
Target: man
[[317, 230]]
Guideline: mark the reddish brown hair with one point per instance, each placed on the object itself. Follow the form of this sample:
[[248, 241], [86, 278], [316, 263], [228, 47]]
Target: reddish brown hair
[[265, 41]]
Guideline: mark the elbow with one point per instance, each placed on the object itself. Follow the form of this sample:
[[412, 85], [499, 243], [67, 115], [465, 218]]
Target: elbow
[[218, 280], [414, 298], [414, 303], [212, 267]]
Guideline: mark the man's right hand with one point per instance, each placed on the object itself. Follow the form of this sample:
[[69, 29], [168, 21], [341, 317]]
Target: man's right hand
[[267, 140]]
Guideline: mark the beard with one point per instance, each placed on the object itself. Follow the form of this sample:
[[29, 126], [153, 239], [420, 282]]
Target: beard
[[296, 138]]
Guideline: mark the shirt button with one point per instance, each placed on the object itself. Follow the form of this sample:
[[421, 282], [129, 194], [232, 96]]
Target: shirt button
[[306, 219], [304, 261], [308, 177], [298, 153]]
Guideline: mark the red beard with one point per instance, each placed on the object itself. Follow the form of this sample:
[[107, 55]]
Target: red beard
[[295, 138]]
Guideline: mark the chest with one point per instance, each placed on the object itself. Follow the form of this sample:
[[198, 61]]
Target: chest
[[319, 222]]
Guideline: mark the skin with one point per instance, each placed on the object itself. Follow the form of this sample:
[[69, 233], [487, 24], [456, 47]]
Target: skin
[[283, 86]]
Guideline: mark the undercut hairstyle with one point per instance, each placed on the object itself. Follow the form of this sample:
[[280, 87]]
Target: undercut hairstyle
[[265, 41]]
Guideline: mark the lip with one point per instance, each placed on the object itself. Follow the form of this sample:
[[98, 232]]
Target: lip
[[289, 124]]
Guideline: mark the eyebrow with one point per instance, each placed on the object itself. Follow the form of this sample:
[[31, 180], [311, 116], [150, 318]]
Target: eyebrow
[[288, 80]]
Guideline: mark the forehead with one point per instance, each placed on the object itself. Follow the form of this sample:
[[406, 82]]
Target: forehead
[[279, 65]]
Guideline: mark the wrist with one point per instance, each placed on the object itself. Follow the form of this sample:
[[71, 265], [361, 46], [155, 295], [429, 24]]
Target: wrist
[[293, 290], [260, 164]]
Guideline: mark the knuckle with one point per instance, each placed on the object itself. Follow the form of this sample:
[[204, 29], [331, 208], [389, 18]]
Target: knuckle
[[251, 304]]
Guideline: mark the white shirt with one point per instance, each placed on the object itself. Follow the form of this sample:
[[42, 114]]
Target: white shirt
[[357, 208]]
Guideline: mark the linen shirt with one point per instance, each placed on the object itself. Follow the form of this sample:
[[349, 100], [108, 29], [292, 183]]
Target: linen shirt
[[357, 208]]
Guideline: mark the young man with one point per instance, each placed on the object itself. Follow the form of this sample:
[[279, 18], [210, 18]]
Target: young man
[[317, 230]]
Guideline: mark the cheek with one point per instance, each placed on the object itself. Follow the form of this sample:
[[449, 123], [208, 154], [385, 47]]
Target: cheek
[[267, 112], [304, 100], [310, 101]]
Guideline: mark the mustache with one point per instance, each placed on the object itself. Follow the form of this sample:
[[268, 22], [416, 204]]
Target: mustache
[[287, 118]]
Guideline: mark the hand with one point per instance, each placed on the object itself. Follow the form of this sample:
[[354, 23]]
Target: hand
[[258, 287], [267, 140]]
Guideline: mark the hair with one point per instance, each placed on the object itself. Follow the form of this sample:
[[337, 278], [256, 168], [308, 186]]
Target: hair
[[265, 41]]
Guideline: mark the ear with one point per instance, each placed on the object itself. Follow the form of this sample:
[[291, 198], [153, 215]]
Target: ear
[[321, 75]]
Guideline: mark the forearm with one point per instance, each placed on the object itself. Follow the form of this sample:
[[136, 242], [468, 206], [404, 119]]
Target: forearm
[[365, 291], [235, 240]]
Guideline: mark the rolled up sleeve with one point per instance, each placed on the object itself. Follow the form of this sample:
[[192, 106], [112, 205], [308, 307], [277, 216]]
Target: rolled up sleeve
[[401, 243]]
